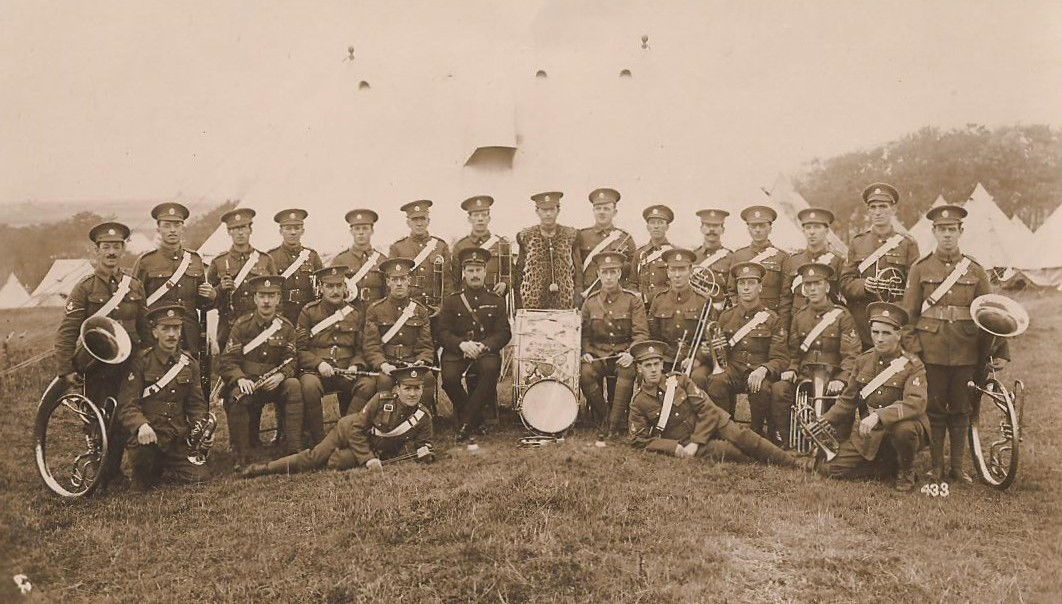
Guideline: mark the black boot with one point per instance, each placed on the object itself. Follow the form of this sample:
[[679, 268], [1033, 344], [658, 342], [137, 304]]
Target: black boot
[[463, 433], [938, 429], [958, 425]]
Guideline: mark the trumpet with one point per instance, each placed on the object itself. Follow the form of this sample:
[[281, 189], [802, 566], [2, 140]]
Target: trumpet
[[807, 431], [201, 439]]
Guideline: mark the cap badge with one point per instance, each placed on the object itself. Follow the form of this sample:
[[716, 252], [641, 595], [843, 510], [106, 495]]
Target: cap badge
[[944, 213], [172, 211], [756, 213], [292, 215], [549, 198], [266, 283], [745, 270], [169, 313], [413, 373], [652, 349], [416, 208], [877, 190], [885, 312], [110, 231], [601, 195], [357, 216], [811, 273]]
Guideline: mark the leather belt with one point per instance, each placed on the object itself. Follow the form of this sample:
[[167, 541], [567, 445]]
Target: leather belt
[[948, 313]]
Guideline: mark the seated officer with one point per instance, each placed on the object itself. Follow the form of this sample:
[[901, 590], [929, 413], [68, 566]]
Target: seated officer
[[473, 328], [688, 425], [397, 331], [329, 332], [259, 343], [756, 338], [823, 335], [613, 319], [888, 391], [158, 401], [388, 423]]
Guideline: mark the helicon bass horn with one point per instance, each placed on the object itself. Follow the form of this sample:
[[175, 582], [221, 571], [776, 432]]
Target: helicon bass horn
[[999, 315], [104, 340]]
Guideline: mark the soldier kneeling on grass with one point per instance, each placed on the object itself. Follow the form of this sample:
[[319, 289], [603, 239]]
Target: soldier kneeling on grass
[[390, 422], [888, 389], [158, 401], [673, 416]]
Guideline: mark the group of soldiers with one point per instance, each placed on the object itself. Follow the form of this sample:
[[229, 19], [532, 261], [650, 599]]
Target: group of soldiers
[[890, 327]]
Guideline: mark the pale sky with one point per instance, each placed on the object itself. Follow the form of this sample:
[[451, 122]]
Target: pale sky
[[229, 99]]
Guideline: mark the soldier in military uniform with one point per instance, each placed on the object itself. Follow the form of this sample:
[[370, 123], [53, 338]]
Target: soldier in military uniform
[[230, 272], [649, 268], [294, 262], [822, 333], [815, 222], [172, 274], [473, 329], [775, 293], [711, 255], [329, 332], [478, 209], [430, 275], [158, 402], [887, 389], [674, 313], [757, 340], [549, 266], [603, 236], [879, 257], [365, 282], [692, 426], [112, 293], [941, 287], [261, 341], [613, 319], [397, 332], [391, 421]]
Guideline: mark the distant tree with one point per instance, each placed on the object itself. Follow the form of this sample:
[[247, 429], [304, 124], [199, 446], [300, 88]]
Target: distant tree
[[199, 229], [1018, 166]]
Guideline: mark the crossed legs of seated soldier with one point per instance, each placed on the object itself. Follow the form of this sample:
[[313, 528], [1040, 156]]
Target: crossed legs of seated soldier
[[151, 463], [287, 396], [482, 388], [722, 388], [895, 455], [610, 418], [313, 389]]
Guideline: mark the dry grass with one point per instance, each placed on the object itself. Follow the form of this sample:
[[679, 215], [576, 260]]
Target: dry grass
[[570, 522]]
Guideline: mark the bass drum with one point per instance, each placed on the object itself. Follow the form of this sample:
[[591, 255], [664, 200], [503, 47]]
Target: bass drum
[[549, 407]]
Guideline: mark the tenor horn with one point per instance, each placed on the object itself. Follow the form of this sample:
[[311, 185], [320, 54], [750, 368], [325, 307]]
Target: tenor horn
[[887, 284], [103, 339], [703, 280]]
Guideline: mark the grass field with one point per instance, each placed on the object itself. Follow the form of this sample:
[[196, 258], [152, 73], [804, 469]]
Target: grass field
[[568, 522]]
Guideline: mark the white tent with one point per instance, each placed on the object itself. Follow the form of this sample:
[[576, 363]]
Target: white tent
[[792, 202], [13, 294], [1020, 228], [60, 279], [139, 243], [1043, 258], [922, 231], [988, 235]]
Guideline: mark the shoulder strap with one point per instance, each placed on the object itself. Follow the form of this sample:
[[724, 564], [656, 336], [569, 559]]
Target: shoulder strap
[[828, 319], [716, 256], [601, 245], [369, 264], [407, 314], [401, 428], [424, 253], [489, 243], [671, 384], [167, 377], [123, 288], [883, 249], [468, 307], [754, 322], [168, 284], [894, 367], [331, 319], [301, 259], [960, 269], [654, 256], [252, 260], [765, 254], [823, 259], [262, 337]]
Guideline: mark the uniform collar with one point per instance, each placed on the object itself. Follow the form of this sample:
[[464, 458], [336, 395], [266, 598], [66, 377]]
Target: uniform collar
[[951, 258], [888, 358], [291, 250], [396, 300], [174, 253], [759, 247], [682, 295], [163, 358], [262, 321], [826, 307], [755, 309], [238, 254], [656, 246], [710, 250], [420, 238], [611, 296], [358, 253], [477, 239], [605, 230], [99, 272]]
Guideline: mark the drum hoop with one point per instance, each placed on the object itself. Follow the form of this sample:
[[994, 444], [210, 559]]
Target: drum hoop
[[574, 406]]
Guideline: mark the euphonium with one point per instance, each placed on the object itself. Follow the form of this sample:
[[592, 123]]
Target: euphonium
[[807, 430], [102, 339], [201, 438]]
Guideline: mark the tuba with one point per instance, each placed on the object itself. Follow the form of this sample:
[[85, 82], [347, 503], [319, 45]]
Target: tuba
[[201, 438], [101, 340]]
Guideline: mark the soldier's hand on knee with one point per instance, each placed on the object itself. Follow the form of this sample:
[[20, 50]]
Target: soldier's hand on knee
[[245, 385], [788, 376], [325, 369], [374, 464], [272, 382], [145, 435], [756, 379], [867, 424], [834, 387], [625, 359]]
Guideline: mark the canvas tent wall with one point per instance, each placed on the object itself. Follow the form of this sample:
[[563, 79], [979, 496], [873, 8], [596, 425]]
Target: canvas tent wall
[[988, 235], [59, 280], [13, 294], [1043, 265], [792, 202]]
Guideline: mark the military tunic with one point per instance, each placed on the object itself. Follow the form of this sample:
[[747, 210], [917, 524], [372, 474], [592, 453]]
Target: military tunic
[[430, 281], [853, 282], [793, 263], [494, 267], [649, 274], [234, 304], [156, 268], [339, 345], [489, 326], [357, 438], [235, 364], [298, 289], [775, 293], [170, 412], [720, 269], [900, 404], [694, 419], [589, 238], [412, 343], [763, 346], [372, 286], [672, 314], [612, 322]]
